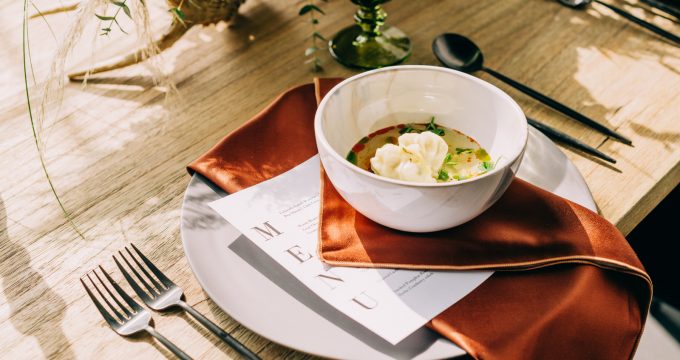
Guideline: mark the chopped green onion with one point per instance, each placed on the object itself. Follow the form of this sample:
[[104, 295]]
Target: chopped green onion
[[447, 158], [439, 132], [409, 128], [487, 165], [352, 157], [443, 175]]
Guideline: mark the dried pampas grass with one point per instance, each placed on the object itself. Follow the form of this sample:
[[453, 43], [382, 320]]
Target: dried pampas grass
[[187, 14]]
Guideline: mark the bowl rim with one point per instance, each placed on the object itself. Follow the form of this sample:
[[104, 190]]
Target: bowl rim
[[322, 141]]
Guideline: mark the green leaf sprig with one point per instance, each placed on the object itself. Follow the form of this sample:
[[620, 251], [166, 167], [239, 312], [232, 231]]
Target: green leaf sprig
[[312, 52], [120, 5], [178, 14], [434, 128]]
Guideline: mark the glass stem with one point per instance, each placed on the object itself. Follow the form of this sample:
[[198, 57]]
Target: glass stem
[[370, 19]]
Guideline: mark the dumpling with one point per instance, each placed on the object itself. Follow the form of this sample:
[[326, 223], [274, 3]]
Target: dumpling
[[432, 148], [402, 163]]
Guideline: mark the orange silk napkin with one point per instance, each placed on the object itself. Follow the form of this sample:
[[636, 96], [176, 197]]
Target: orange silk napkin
[[569, 285]]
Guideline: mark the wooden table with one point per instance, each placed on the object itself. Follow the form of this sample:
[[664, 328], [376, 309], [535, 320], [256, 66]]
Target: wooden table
[[117, 152]]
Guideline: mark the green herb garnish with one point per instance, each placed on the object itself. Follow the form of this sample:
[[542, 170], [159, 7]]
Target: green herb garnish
[[352, 157], [434, 128], [487, 165], [363, 140], [447, 158], [443, 175], [463, 150], [409, 128], [391, 140]]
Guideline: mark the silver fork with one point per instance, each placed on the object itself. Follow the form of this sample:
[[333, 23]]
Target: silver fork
[[162, 294], [125, 320]]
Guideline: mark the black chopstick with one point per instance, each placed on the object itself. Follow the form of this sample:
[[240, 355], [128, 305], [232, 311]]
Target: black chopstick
[[564, 109], [559, 136], [668, 9], [649, 26]]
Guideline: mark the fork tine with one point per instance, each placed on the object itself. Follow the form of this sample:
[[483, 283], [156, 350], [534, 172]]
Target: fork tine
[[120, 305], [121, 318], [159, 274], [109, 319], [141, 267], [141, 293], [133, 304], [153, 292]]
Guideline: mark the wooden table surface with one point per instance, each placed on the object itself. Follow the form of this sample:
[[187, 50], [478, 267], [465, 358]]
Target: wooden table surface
[[117, 151]]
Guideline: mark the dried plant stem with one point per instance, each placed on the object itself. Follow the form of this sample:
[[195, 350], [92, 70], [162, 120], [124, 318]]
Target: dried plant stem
[[53, 87], [147, 51], [26, 52], [67, 7]]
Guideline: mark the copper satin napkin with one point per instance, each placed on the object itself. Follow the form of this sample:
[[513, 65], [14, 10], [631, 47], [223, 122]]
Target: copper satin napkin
[[570, 286]]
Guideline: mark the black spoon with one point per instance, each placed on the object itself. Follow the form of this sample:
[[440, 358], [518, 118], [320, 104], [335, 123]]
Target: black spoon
[[647, 25], [460, 53]]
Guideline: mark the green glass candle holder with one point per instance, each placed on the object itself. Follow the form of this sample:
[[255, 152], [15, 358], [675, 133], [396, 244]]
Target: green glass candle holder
[[369, 44]]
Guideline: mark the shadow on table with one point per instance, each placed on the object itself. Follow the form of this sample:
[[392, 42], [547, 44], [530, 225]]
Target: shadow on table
[[667, 138], [35, 309]]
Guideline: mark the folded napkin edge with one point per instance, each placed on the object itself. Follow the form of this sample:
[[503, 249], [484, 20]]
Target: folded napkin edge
[[195, 167]]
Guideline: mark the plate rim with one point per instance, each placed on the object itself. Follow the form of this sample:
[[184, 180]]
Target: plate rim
[[208, 287]]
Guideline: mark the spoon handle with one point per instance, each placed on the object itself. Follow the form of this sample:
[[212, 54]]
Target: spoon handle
[[558, 106], [644, 24], [559, 136]]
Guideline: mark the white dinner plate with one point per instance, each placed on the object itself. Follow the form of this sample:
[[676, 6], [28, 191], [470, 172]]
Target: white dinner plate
[[258, 293]]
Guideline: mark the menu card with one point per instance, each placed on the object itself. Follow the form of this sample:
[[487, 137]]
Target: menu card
[[280, 216]]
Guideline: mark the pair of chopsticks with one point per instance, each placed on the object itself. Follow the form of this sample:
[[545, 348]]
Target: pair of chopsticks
[[561, 137]]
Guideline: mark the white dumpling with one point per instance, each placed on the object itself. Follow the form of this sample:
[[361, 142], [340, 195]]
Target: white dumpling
[[432, 148], [401, 163]]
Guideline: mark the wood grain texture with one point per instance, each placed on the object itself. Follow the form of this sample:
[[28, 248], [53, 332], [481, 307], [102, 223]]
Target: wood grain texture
[[117, 151]]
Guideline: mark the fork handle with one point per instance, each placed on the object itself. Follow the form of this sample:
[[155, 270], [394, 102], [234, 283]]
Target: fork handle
[[172, 347], [230, 340]]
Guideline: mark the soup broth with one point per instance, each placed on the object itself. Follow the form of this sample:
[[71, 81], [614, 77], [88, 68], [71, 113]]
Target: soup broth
[[465, 157]]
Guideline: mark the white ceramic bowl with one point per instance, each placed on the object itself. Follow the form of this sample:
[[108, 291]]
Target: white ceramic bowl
[[405, 94]]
